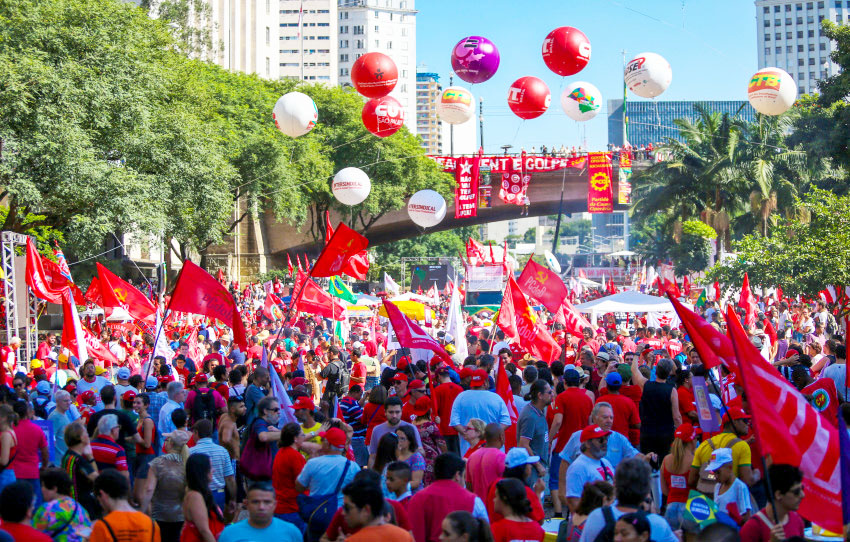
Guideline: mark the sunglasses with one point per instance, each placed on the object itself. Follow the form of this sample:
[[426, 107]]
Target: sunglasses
[[275, 410]]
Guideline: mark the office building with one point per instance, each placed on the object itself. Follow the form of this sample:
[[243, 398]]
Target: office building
[[308, 40], [384, 26], [652, 121], [428, 126], [789, 37]]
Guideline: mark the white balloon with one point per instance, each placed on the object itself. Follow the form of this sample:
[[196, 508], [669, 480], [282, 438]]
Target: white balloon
[[581, 101], [351, 186], [772, 91], [648, 75], [295, 114], [456, 105], [426, 208]]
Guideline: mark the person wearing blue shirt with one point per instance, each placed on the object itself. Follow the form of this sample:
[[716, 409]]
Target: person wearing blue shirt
[[261, 525], [590, 466], [176, 396]]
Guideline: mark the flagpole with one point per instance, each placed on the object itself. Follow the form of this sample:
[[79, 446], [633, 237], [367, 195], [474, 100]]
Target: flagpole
[[165, 316]]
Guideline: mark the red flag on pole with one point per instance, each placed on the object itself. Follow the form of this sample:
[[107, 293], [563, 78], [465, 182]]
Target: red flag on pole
[[517, 320], [344, 244], [94, 296], [747, 302], [314, 300], [410, 335], [475, 252], [220, 276], [198, 292], [298, 262], [97, 350], [289, 267], [58, 280], [36, 278], [574, 322], [358, 266], [712, 346], [542, 284], [791, 430], [271, 309], [117, 292], [73, 336]]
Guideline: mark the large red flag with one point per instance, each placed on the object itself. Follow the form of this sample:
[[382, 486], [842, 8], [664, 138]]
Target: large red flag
[[271, 309], [343, 245], [574, 322], [358, 266], [503, 388], [747, 302], [517, 320], [219, 275], [712, 346], [475, 252], [36, 278], [542, 284], [57, 280], [94, 296], [198, 292], [791, 430], [667, 280], [98, 350], [314, 300], [289, 267], [410, 335], [73, 337], [298, 263], [117, 292]]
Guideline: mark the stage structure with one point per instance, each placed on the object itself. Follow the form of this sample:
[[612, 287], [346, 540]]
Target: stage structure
[[18, 301]]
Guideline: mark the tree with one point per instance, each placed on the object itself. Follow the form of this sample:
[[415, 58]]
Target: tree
[[387, 258], [693, 251], [652, 238]]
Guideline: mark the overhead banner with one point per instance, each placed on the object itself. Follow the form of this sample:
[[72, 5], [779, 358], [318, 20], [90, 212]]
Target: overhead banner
[[466, 192], [624, 188], [600, 190], [487, 278], [528, 164]]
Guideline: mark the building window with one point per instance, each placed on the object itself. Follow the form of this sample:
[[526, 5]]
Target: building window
[[799, 20], [323, 38], [766, 10], [777, 22], [389, 45], [767, 23], [824, 74], [404, 73], [776, 9], [357, 30], [799, 7], [377, 29], [800, 77], [800, 62], [377, 43], [811, 47], [343, 58], [403, 32], [778, 50], [789, 49], [811, 34], [377, 13], [343, 72], [820, 5], [799, 48], [810, 19], [778, 36], [343, 44], [359, 44], [822, 47], [767, 37], [810, 5], [788, 7], [322, 24], [811, 62], [268, 36], [343, 30], [788, 21], [268, 63]]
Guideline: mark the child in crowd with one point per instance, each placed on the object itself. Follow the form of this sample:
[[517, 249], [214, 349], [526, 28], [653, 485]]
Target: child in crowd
[[398, 482], [730, 493]]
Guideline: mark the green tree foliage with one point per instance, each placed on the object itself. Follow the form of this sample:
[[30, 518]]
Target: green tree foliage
[[693, 251], [444, 243]]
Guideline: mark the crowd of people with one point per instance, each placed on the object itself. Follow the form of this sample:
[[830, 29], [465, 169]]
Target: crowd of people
[[306, 435]]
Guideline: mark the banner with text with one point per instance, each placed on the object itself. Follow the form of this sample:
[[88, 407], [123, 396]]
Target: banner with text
[[528, 164], [624, 190], [600, 190], [466, 192], [488, 278]]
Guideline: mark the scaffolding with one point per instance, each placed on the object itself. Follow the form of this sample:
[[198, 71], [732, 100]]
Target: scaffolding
[[8, 242]]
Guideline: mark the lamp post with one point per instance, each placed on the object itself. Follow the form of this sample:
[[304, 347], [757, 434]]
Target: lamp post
[[506, 147], [481, 120]]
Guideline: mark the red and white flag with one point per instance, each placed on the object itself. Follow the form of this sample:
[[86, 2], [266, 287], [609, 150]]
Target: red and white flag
[[410, 335], [36, 278], [517, 320], [574, 322], [73, 337], [503, 389]]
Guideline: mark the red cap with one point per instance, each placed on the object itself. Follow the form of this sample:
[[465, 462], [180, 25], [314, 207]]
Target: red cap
[[593, 431], [128, 395], [403, 362], [86, 396], [281, 348], [304, 403], [685, 432], [479, 378], [334, 436], [735, 413], [400, 377], [466, 372], [39, 371], [200, 378], [422, 406], [416, 385], [298, 381], [70, 387]]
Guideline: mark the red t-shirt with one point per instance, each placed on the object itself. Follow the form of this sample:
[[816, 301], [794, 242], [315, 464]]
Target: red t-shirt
[[444, 398], [506, 530], [31, 439], [575, 406], [674, 347], [339, 526], [19, 531], [255, 352], [757, 530], [358, 370], [633, 392], [625, 415], [373, 415], [686, 402], [287, 465], [535, 515], [484, 467]]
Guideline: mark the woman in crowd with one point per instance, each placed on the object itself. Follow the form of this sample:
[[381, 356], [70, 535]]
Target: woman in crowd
[[407, 452], [387, 452], [461, 526], [595, 495], [512, 503], [675, 468], [474, 435], [145, 451], [8, 444], [78, 463], [166, 487], [203, 521], [433, 443], [632, 527], [288, 463], [60, 517], [373, 411]]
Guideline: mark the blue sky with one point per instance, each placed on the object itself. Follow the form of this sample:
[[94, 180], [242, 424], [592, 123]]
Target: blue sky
[[711, 46]]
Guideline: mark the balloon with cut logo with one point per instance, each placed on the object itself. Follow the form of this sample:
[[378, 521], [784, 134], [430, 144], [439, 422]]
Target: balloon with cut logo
[[772, 91], [566, 50], [426, 208], [529, 97], [456, 105], [374, 75], [351, 186], [295, 114], [475, 59], [581, 101], [383, 116], [648, 75]]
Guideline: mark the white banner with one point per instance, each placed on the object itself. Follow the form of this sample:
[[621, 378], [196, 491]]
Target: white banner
[[488, 278]]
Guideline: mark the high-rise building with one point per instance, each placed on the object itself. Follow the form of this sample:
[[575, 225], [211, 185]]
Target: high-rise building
[[428, 124], [247, 31], [308, 40], [652, 122], [789, 37], [385, 26]]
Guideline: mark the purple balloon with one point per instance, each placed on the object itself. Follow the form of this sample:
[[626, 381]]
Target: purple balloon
[[475, 59]]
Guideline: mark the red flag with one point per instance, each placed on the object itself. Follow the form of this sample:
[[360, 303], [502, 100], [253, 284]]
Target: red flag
[[344, 244], [778, 293], [712, 346], [503, 388], [94, 296], [36, 278], [542, 284], [718, 294], [747, 302], [329, 230], [57, 280], [117, 292], [271, 309], [791, 430], [517, 320], [574, 322], [198, 292], [192, 343], [289, 265], [314, 300], [298, 262], [475, 252], [98, 350], [492, 257], [505, 266], [73, 337], [667, 281], [358, 266], [686, 287], [220, 277], [410, 335]]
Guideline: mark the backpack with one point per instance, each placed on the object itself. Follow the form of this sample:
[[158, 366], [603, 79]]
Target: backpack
[[39, 406], [831, 325], [204, 407], [607, 532], [707, 480]]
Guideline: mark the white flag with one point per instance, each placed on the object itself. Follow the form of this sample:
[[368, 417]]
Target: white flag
[[455, 325], [390, 285]]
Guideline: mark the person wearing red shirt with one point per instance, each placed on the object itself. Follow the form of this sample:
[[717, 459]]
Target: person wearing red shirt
[[416, 389], [626, 416], [512, 503], [215, 355], [444, 397], [255, 351], [288, 463], [45, 347], [687, 405], [787, 484], [358, 368], [674, 345], [16, 509], [369, 345], [9, 358], [588, 340]]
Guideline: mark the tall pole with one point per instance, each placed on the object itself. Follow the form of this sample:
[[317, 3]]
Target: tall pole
[[481, 120], [625, 139], [451, 127]]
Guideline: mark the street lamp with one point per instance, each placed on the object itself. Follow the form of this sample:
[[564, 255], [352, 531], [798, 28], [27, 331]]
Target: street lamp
[[506, 147]]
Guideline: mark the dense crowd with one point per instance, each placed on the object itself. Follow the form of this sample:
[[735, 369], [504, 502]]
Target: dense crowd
[[310, 436]]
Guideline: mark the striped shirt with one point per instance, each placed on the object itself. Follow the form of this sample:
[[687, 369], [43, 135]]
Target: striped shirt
[[219, 461], [352, 413], [108, 454]]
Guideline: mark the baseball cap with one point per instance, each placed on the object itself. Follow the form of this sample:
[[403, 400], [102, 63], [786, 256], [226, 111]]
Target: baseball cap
[[403, 362], [400, 377], [571, 376], [123, 373], [357, 344], [614, 379], [36, 364], [200, 378], [43, 387], [735, 413], [603, 355], [98, 370], [70, 387], [479, 377], [86, 396], [719, 457], [334, 436], [416, 385], [303, 403], [39, 372], [519, 456], [151, 382], [593, 431], [62, 358], [422, 406], [686, 432], [298, 381], [128, 395], [466, 372]]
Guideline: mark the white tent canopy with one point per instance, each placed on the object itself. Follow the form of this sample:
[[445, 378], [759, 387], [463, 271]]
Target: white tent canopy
[[634, 302]]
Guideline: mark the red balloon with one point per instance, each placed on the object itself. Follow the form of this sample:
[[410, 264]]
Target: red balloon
[[374, 75], [529, 97], [383, 116], [566, 50]]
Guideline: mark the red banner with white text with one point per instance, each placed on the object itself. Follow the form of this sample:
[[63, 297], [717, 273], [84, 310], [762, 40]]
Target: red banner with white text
[[466, 191], [529, 164], [600, 190]]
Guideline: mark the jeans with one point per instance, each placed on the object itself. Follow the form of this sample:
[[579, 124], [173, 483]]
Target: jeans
[[361, 452], [218, 497], [7, 477], [293, 518], [36, 489], [674, 514], [554, 470]]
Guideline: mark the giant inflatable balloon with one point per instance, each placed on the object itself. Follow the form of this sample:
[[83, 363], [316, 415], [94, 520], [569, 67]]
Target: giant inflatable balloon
[[456, 105], [475, 59], [648, 75], [374, 75], [351, 186], [295, 114], [581, 101], [383, 116], [529, 97], [426, 208], [772, 91], [566, 50]]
